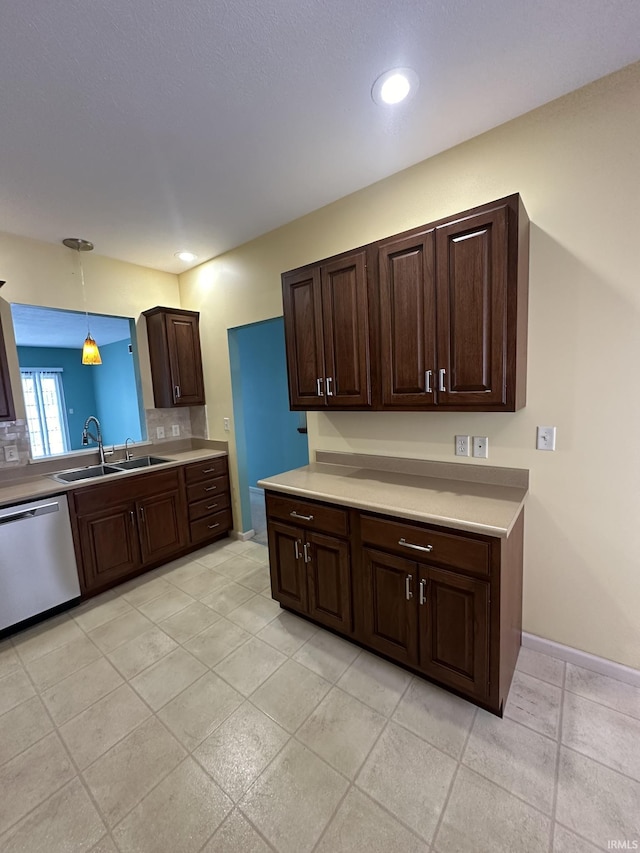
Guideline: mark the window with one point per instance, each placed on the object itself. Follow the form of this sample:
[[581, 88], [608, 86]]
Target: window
[[46, 415]]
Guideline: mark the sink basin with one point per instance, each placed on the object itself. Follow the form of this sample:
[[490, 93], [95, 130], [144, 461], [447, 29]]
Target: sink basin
[[86, 473], [140, 462]]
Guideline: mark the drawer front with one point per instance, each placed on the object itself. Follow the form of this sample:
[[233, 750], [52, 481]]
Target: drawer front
[[447, 549], [207, 489], [88, 499], [210, 526], [206, 470], [209, 505], [308, 514]]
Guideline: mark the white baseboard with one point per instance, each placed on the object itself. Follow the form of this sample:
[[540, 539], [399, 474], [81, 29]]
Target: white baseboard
[[583, 659], [238, 534]]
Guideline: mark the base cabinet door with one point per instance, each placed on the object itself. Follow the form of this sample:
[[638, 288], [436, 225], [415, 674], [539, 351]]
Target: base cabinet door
[[454, 630], [328, 581], [389, 609], [109, 545], [288, 580], [163, 526]]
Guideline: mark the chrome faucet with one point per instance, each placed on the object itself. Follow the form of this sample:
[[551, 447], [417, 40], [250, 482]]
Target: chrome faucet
[[86, 435], [128, 453]]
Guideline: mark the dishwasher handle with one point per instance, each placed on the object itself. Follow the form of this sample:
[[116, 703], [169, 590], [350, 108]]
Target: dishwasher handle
[[33, 512]]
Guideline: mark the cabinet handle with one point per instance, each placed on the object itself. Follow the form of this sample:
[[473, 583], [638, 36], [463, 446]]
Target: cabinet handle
[[319, 387], [427, 381], [294, 514], [407, 588], [177, 392], [406, 544], [212, 526], [329, 381], [132, 517], [208, 470], [422, 599], [296, 546], [441, 373], [212, 506], [142, 514], [307, 555], [210, 488]]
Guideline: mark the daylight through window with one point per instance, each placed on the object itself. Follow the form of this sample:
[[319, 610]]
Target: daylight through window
[[46, 414]]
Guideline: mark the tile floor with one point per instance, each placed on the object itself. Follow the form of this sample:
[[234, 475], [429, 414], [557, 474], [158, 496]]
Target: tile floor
[[184, 712]]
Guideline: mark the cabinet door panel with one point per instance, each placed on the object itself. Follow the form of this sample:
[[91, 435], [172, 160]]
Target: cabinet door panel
[[288, 577], [454, 631], [303, 331], [163, 525], [472, 309], [329, 586], [346, 331], [390, 622], [109, 546], [407, 320], [185, 359]]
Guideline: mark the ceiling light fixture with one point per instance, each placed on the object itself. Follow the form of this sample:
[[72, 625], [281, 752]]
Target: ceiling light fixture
[[394, 86], [186, 256], [90, 351]]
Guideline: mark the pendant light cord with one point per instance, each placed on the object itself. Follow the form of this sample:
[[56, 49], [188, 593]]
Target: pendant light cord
[[84, 293]]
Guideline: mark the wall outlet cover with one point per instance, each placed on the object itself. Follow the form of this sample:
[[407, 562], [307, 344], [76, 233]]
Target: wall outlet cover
[[175, 429], [480, 446], [11, 453], [462, 445], [159, 432]]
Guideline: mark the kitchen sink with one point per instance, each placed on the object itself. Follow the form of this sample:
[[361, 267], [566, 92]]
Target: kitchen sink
[[140, 462], [86, 473]]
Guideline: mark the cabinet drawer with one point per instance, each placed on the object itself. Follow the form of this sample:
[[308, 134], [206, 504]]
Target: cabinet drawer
[[447, 549], [209, 505], [308, 514], [207, 489], [210, 526], [206, 470], [92, 498]]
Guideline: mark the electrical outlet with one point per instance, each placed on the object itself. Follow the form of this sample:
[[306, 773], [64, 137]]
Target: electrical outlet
[[159, 432], [546, 438], [175, 429], [480, 446], [11, 453], [462, 445], [227, 424]]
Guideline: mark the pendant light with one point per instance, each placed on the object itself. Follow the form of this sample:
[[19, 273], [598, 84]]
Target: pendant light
[[90, 351]]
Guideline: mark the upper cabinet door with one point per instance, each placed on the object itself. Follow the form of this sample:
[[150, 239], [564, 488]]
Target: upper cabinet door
[[183, 337], [346, 331], [472, 298], [7, 411], [407, 321], [302, 300]]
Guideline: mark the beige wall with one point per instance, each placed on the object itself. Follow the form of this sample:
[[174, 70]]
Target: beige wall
[[576, 164]]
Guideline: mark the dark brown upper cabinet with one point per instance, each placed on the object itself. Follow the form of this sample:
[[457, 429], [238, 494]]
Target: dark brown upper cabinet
[[176, 360], [447, 305], [327, 333], [7, 410]]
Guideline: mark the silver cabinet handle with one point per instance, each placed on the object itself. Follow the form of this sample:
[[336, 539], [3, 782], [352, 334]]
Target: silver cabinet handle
[[307, 556], [427, 381], [422, 599], [142, 514], [296, 546], [177, 391], [212, 526], [329, 381], [407, 588], [406, 544], [208, 470], [294, 514], [212, 506], [210, 488], [441, 374], [132, 517], [319, 387]]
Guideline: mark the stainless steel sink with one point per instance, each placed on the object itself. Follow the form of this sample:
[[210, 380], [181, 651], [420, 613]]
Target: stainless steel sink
[[139, 462], [86, 473]]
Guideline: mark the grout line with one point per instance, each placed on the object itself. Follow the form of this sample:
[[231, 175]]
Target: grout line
[[556, 775]]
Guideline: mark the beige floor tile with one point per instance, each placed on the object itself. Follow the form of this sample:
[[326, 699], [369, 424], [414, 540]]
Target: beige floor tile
[[596, 802], [204, 583], [257, 580], [290, 694], [121, 777], [15, 688], [214, 558], [568, 842], [534, 703], [342, 730], [179, 815], [482, 818], [236, 835], [227, 598], [185, 624], [21, 727], [238, 751], [106, 845], [375, 682], [234, 547], [141, 652], [165, 605], [165, 679], [257, 551], [601, 733], [183, 573], [237, 567], [518, 759], [541, 666], [97, 729], [442, 719], [78, 691], [49, 669], [360, 824], [294, 799], [9, 660], [67, 821], [394, 775], [607, 691], [100, 610], [143, 589], [255, 614], [327, 655], [31, 777], [251, 664], [119, 631], [216, 642], [46, 637], [200, 709], [287, 632]]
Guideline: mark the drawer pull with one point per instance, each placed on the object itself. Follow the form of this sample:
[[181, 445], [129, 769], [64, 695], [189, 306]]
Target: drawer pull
[[212, 526], [441, 373], [212, 506], [177, 392], [294, 514], [208, 470], [306, 548], [210, 488], [422, 599], [319, 387], [296, 546], [407, 588], [405, 544], [427, 382]]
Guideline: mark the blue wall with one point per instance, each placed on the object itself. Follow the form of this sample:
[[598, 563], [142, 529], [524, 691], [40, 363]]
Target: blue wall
[[116, 394]]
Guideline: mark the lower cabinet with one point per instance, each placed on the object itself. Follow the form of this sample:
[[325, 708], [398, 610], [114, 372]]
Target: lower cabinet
[[208, 500]]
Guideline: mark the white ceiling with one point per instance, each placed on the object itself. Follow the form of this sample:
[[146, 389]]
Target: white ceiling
[[149, 126], [48, 327]]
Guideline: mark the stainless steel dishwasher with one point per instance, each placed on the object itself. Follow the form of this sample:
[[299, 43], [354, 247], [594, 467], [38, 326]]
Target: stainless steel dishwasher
[[37, 562]]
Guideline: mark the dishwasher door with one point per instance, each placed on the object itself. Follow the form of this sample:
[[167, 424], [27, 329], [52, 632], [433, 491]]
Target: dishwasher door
[[38, 568]]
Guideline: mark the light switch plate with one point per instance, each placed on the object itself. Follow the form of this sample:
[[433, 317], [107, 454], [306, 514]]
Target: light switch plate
[[480, 446], [462, 445], [159, 432], [11, 453], [227, 424], [546, 438], [175, 429]]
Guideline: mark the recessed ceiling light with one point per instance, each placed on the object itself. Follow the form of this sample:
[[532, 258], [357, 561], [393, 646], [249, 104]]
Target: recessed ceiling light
[[186, 256], [394, 86]]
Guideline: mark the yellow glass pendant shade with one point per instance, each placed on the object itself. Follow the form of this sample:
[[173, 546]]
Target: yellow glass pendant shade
[[90, 352]]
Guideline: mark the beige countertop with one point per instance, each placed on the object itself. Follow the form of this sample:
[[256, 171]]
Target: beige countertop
[[468, 497], [35, 481]]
